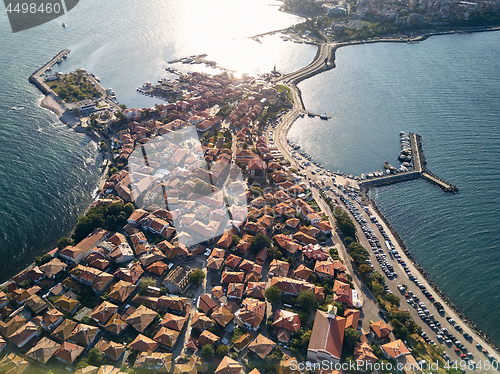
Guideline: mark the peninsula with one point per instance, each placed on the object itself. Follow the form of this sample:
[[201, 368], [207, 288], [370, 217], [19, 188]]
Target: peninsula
[[215, 246]]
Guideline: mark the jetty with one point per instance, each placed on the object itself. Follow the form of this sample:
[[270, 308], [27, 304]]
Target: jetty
[[38, 80], [419, 171], [58, 105], [322, 116]]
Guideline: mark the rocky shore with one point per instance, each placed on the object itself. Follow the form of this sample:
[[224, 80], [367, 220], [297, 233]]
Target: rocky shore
[[427, 277]]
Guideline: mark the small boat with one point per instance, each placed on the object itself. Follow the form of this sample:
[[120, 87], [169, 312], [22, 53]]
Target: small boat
[[63, 25]]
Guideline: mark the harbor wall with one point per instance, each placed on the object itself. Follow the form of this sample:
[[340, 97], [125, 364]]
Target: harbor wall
[[390, 179]]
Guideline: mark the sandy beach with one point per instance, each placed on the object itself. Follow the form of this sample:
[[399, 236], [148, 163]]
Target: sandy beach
[[49, 102]]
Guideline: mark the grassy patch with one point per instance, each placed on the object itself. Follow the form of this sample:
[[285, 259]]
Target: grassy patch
[[281, 88], [74, 87]]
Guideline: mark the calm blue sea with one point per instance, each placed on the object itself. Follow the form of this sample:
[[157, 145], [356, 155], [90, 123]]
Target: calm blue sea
[[447, 90], [47, 172]]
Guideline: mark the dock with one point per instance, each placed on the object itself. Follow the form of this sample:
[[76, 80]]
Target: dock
[[37, 79], [419, 171], [322, 116]]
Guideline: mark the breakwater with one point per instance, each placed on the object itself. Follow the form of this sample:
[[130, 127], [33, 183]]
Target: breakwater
[[419, 171], [37, 79]]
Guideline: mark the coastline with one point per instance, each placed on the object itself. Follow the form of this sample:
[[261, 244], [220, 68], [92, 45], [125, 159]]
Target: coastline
[[429, 280], [283, 131], [47, 105]]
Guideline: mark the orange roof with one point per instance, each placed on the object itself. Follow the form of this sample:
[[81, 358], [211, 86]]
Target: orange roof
[[83, 335], [252, 311], [200, 321], [279, 268], [262, 346], [256, 290], [173, 321], [141, 318], [206, 337], [222, 316], [228, 366], [69, 352], [167, 337], [143, 344], [381, 329], [103, 312], [395, 349], [284, 319], [327, 334], [207, 304], [110, 348], [225, 240], [233, 261], [363, 352], [352, 318], [302, 272], [235, 290], [343, 293], [325, 268], [233, 277]]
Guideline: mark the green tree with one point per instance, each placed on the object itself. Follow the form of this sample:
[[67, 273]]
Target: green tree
[[259, 242], [129, 208], [393, 299], [346, 225], [221, 350], [364, 269], [77, 112], [95, 357], [306, 301], [207, 352], [64, 242], [304, 340], [197, 276], [235, 240], [273, 294], [351, 337], [202, 188], [147, 282], [399, 329]]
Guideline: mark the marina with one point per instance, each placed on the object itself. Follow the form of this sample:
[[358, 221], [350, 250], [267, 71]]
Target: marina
[[420, 170]]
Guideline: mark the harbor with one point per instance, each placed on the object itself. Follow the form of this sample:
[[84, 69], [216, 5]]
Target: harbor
[[419, 171], [62, 109]]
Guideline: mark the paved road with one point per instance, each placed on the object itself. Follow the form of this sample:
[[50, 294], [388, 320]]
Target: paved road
[[317, 64], [402, 278], [370, 308]]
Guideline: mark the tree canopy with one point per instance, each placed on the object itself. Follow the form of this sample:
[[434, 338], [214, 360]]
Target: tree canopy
[[259, 242], [306, 301], [346, 225], [351, 337], [202, 188], [273, 294], [97, 217], [197, 276], [207, 352]]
